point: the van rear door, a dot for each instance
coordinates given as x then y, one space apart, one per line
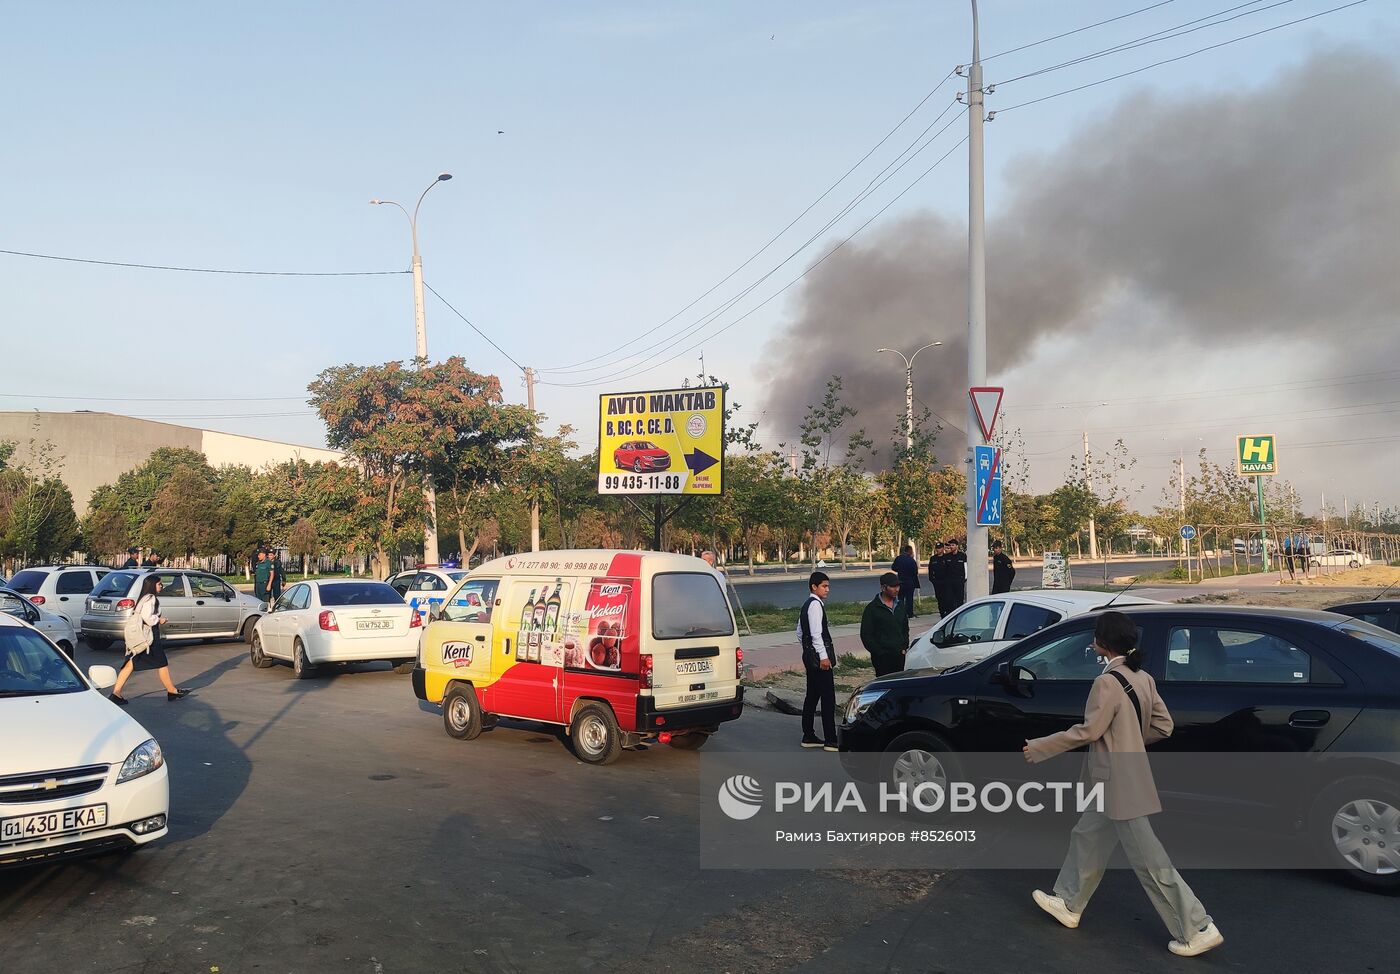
692 641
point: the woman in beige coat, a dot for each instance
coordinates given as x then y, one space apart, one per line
1123 715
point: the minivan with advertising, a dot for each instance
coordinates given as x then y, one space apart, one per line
617 647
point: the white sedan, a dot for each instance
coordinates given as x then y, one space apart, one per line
88 778
56 627
1339 558
987 625
337 621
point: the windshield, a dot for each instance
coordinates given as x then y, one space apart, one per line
689 604
31 667
28 581
1382 639
117 583
360 593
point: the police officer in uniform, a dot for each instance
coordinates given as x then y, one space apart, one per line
1002 569
957 575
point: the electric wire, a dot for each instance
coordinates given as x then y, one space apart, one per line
473 327
1077 30
199 270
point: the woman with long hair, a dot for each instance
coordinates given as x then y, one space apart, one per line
153 657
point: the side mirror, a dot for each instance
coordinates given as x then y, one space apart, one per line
102 677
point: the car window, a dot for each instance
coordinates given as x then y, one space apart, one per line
73 583
28 581
284 601
427 582
401 583
300 596
975 624
689 604
31 666
1385 641
472 602
1211 654
208 587
359 593
1026 619
1069 657
15 605
115 584
172 585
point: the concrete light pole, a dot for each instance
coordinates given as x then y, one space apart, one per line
909 389
977 585
430 535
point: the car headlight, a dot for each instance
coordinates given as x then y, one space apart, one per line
860 702
147 757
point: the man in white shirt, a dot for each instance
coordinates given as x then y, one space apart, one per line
818 656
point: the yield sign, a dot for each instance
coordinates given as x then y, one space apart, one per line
986 403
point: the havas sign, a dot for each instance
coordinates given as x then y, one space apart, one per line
1257 456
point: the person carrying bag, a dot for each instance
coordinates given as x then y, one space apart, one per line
143 643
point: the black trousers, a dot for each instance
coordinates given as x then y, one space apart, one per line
887 661
821 688
906 596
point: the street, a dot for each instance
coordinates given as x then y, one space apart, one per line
331 825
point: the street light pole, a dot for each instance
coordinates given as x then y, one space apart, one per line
976 311
420 354
909 390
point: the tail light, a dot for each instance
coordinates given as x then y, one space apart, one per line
739 663
646 667
126 604
37 599
328 622
415 620
664 737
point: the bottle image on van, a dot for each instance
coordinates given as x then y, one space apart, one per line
537 626
551 612
522 638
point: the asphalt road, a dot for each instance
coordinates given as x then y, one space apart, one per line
331 825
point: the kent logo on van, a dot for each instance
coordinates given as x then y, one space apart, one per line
619 647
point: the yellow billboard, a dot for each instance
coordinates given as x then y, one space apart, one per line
664 442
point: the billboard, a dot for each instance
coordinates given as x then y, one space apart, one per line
669 441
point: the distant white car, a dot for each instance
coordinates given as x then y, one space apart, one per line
426 588
88 778
337 621
987 625
59 630
1339 558
62 589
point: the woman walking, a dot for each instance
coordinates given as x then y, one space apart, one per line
1123 715
151 656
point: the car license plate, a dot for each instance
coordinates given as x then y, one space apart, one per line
696 666
695 697
102 606
375 624
52 823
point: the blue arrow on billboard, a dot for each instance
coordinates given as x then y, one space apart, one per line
699 461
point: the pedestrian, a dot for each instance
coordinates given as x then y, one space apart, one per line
262 576
1302 552
908 571
153 560
1124 714
818 654
131 561
708 557
884 628
144 649
1288 555
938 575
274 578
957 575
1002 569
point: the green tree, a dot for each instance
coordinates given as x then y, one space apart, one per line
182 516
135 491
105 531
42 523
304 542
829 451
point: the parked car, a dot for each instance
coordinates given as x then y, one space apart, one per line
989 624
424 589
61 589
337 621
641 455
1339 558
196 605
1378 612
89 778
1236 679
56 627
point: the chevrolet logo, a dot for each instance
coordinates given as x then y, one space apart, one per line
50 784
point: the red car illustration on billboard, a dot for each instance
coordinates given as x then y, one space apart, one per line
641 455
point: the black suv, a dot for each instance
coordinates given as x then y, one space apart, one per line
1236 679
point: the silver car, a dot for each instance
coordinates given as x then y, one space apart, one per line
196 605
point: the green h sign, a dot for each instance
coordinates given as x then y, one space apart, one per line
1256 455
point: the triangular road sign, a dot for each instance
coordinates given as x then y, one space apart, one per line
986 403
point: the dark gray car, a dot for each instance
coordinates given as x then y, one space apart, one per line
196 605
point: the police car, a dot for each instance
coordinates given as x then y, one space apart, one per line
426 587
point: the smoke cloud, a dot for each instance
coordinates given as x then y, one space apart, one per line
1206 220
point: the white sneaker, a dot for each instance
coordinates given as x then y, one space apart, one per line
1200 942
1055 906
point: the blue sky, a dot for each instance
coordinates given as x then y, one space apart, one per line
645 150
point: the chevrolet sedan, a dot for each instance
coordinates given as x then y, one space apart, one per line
337 621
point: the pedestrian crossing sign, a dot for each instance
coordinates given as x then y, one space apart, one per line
1257 455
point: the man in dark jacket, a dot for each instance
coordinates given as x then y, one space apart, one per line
938 575
274 578
908 571
884 628
1002 569
131 561
957 575
818 657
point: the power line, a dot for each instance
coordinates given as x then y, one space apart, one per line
1077 30
200 270
474 328
1180 57
21 395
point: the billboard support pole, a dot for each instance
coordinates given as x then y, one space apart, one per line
1263 530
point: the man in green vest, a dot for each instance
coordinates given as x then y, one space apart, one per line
262 575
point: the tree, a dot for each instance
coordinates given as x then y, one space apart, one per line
303 542
135 491
42 524
105 532
820 436
181 518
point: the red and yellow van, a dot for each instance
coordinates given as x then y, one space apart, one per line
619 647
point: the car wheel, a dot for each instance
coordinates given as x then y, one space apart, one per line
1356 824
97 644
693 741
636 466
1354 563
301 666
919 758
461 712
595 735
247 634
255 653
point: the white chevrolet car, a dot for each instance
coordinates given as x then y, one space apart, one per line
59 630
78 775
337 621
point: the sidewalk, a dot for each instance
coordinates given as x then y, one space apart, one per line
774 652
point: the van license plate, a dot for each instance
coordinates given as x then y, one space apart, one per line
696 666
52 823
375 624
696 697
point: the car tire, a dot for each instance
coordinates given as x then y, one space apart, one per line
1354 563
403 665
247 633
98 644
919 757
692 741
461 712
1355 825
301 665
595 735
255 653
636 466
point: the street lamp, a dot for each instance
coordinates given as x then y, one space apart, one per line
1089 476
430 538
908 390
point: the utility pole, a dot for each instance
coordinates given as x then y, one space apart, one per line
1089 485
1181 499
534 503
976 312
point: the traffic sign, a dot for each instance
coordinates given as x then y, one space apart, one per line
986 403
669 441
1188 532
987 459
1257 456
